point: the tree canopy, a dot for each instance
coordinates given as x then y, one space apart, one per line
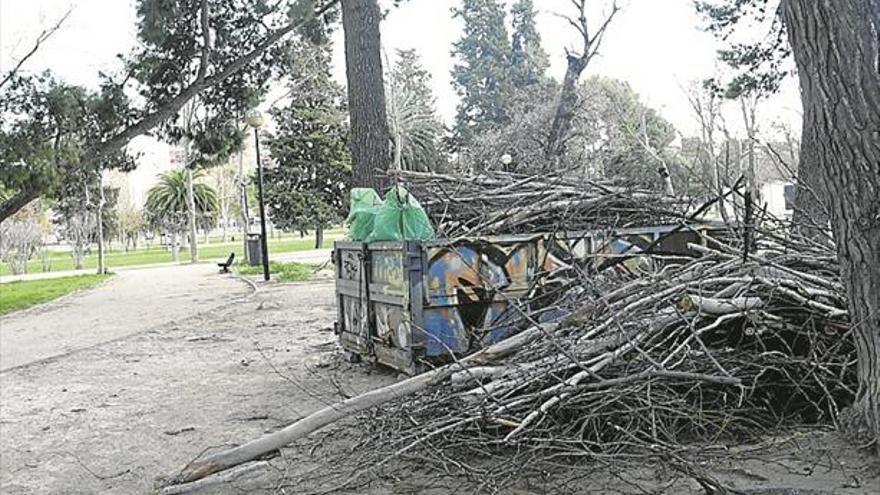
307 189
223 51
528 60
481 75
166 205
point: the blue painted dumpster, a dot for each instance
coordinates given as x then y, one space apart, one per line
406 304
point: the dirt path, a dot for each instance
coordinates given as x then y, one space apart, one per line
112 417
131 302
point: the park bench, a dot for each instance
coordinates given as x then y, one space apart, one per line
224 267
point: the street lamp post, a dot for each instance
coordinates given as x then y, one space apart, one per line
255 120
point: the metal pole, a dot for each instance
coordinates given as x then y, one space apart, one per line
264 243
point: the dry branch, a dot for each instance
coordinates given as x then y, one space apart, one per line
226 459
506 203
713 350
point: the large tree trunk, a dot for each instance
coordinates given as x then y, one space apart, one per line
837 49
370 140
810 216
568 101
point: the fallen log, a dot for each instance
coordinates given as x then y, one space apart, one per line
221 461
226 477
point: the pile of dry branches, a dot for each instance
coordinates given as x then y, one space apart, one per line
504 203
717 350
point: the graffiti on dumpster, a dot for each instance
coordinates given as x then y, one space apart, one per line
433 299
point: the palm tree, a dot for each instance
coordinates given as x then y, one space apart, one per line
167 206
414 130
412 121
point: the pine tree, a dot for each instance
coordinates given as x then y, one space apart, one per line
308 187
482 75
528 59
416 129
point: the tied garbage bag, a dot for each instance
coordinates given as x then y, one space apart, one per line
401 218
365 204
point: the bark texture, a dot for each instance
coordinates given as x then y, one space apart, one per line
568 102
836 45
370 140
810 215
17 202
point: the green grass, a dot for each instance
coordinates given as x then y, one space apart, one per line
19 295
282 272
60 261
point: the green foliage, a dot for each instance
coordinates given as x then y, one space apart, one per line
144 256
760 65
308 187
15 296
43 136
173 53
413 121
166 206
282 272
110 213
528 59
46 128
481 75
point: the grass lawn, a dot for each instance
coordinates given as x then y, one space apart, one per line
282 272
156 254
24 294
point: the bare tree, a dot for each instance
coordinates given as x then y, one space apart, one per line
78 229
224 179
707 108
19 238
577 62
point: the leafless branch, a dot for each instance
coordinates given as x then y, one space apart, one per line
41 38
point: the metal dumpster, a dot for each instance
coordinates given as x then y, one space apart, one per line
404 304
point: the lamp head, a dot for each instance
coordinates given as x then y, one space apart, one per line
254 119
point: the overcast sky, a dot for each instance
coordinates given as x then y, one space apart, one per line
655 45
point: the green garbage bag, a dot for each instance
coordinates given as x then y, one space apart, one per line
401 218
365 204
